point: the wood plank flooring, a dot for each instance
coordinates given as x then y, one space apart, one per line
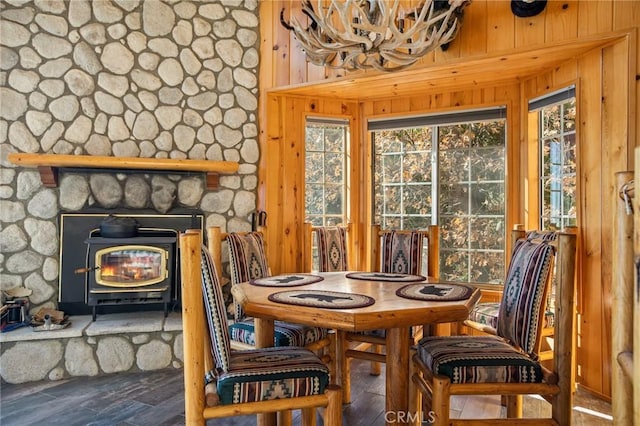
156 398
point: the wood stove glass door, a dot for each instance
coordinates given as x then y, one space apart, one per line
131 266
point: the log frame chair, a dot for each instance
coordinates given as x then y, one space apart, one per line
203 402
369 346
484 316
322 346
555 385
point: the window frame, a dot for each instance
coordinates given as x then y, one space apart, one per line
536 108
338 122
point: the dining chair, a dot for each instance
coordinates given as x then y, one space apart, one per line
396 252
330 243
247 261
220 382
506 363
484 316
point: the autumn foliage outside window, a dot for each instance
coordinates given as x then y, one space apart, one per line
452 175
558 165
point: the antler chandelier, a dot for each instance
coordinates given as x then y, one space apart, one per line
378 34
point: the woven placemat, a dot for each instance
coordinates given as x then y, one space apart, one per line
385 276
322 299
287 280
435 292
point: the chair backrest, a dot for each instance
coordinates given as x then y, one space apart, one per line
247 260
551 293
331 245
524 296
215 312
401 251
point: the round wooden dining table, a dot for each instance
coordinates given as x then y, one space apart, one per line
389 311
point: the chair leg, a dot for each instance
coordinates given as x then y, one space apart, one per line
375 366
514 406
333 413
285 418
440 403
414 395
309 416
343 366
331 350
458 328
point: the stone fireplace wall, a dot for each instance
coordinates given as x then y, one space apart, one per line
134 78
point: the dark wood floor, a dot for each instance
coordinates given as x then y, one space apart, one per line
156 398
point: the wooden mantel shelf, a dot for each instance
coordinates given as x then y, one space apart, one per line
48 165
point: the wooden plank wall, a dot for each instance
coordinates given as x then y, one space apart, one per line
282 174
608 92
604 147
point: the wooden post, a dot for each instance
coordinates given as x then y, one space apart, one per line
565 336
307 242
264 339
440 403
622 308
343 366
333 413
517 233
193 327
433 271
374 260
433 256
397 369
414 395
214 244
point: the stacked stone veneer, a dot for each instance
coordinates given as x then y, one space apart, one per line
122 78
112 344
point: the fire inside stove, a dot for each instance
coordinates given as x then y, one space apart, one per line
131 266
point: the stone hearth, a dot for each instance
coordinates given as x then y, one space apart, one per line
112 344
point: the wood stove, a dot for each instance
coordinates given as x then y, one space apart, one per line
129 273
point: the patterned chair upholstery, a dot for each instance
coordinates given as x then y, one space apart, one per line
332 248
240 382
247 261
484 316
486 313
492 363
401 252
481 360
286 333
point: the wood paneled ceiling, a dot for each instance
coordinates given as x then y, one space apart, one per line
462 75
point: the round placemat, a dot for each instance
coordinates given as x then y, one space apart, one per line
435 292
385 276
322 299
287 280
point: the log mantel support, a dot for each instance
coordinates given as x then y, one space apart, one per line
49 165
